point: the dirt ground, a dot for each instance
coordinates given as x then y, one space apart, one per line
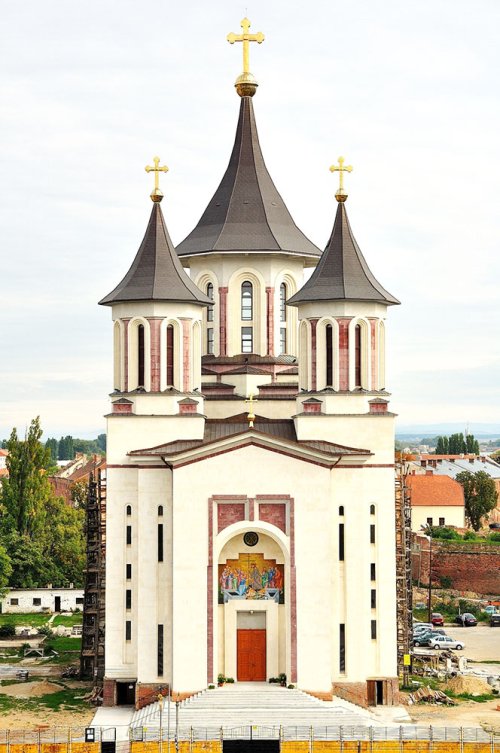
43 718
466 714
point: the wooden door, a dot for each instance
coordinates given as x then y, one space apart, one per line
251 646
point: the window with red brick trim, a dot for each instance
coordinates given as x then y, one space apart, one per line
170 355
140 355
329 352
357 356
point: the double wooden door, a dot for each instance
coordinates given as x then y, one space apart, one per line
251 647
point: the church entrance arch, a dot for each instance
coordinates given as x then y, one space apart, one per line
252 618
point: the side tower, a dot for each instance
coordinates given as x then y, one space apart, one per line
157 315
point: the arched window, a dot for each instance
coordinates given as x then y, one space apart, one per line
140 355
329 354
210 309
372 509
283 297
129 510
341 510
160 510
247 301
357 356
170 355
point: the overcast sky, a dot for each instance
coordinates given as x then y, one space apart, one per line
90 91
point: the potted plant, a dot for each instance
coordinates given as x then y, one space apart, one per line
220 679
282 679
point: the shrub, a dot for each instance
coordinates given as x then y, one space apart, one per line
469 535
442 532
494 536
446 581
8 630
45 630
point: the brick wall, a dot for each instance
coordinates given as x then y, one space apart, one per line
467 566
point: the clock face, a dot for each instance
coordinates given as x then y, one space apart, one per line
251 538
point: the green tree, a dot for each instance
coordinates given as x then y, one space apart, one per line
101 441
480 496
5 570
27 487
53 445
66 448
472 444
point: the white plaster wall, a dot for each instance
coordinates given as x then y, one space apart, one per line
454 515
47 596
126 433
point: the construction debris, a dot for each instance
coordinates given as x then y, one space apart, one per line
428 695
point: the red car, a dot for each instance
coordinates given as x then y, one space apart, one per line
437 619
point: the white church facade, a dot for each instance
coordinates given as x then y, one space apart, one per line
250 464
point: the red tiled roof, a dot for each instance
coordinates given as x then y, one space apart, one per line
435 491
4 453
4 472
427 456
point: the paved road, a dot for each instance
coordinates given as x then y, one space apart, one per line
482 643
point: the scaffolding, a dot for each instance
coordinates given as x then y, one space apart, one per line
92 653
404 601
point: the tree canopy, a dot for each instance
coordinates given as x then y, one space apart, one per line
480 496
457 444
41 538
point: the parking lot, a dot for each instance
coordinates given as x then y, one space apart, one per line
482 643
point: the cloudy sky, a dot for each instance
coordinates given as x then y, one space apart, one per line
91 91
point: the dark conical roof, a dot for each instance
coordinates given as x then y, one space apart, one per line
246 213
156 273
342 273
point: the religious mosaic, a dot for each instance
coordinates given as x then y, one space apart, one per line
251 577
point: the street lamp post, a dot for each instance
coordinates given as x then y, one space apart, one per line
428 536
169 698
177 724
160 706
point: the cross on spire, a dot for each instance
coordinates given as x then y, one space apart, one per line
341 194
156 194
246 83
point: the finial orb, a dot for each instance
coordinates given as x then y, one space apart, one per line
246 85
341 196
156 195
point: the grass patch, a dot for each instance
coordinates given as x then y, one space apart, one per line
469 697
65 699
68 620
35 620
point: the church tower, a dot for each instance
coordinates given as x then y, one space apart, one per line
250 483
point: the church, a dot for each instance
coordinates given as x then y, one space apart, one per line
250 516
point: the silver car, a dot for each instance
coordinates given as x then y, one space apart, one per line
444 642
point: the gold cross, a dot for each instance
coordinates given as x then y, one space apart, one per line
246 38
156 194
251 415
341 194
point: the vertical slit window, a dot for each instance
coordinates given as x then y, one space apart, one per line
210 309
170 355
372 534
128 630
341 510
246 302
357 356
341 542
129 510
342 648
283 297
282 340
329 352
373 598
128 537
140 355
373 571
160 542
374 629
246 339
128 599
210 340
128 572
160 510
160 651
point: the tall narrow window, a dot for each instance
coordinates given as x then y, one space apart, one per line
283 297
282 340
160 651
160 542
210 309
247 301
128 599
129 510
128 571
372 534
140 355
373 598
170 355
357 356
129 535
373 571
342 648
341 542
374 629
160 510
210 340
329 350
372 509
128 630
246 340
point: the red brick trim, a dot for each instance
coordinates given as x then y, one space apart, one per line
314 358
210 594
270 321
222 321
293 595
186 361
137 465
251 509
373 344
343 353
154 328
256 443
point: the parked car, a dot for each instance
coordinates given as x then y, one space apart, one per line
495 620
419 626
494 526
444 642
490 609
466 619
425 639
437 618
